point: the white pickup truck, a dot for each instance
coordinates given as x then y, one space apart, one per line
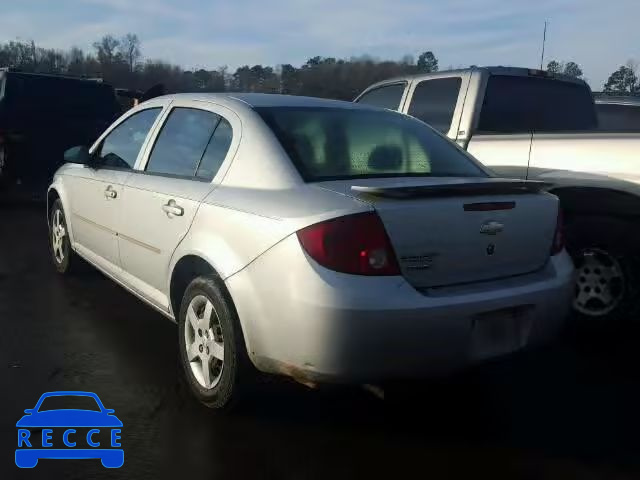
528 124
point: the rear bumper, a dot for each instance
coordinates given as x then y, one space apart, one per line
305 321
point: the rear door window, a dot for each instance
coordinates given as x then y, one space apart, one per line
434 102
520 104
388 96
182 142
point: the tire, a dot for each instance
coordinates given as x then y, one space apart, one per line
63 257
605 253
199 344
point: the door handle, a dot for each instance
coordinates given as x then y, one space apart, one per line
110 192
172 209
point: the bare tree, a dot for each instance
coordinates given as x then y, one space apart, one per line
129 48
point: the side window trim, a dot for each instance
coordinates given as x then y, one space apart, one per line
151 145
143 161
170 175
145 151
208 106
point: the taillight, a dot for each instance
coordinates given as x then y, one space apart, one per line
356 244
558 236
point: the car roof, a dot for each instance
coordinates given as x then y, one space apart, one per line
492 70
258 100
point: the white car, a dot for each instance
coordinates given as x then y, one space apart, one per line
323 240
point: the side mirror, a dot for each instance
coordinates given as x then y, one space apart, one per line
79 154
109 411
29 411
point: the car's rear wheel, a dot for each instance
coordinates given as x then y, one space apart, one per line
605 254
62 255
212 351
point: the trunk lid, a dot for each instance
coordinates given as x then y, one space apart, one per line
448 231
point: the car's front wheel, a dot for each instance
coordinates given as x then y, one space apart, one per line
212 351
62 254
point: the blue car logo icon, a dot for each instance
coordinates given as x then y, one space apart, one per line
85 433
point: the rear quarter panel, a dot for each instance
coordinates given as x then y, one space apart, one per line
233 226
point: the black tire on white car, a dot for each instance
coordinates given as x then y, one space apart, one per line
211 345
606 256
64 258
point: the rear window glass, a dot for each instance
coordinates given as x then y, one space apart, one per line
514 104
618 118
56 95
340 143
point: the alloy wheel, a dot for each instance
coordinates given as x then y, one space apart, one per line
204 342
58 234
600 282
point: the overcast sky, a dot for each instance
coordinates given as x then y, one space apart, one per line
599 35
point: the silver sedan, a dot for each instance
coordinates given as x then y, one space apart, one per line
323 240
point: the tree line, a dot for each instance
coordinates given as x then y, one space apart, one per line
119 61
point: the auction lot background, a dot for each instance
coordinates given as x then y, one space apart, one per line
569 411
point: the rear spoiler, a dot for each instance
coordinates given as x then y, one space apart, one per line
499 186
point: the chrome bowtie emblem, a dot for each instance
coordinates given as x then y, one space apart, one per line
491 228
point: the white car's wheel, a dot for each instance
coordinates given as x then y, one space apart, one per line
62 255
212 351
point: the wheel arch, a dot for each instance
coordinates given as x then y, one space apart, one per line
187 268
52 196
184 271
55 192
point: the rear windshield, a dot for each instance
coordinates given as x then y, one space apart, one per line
51 95
618 117
515 104
340 143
